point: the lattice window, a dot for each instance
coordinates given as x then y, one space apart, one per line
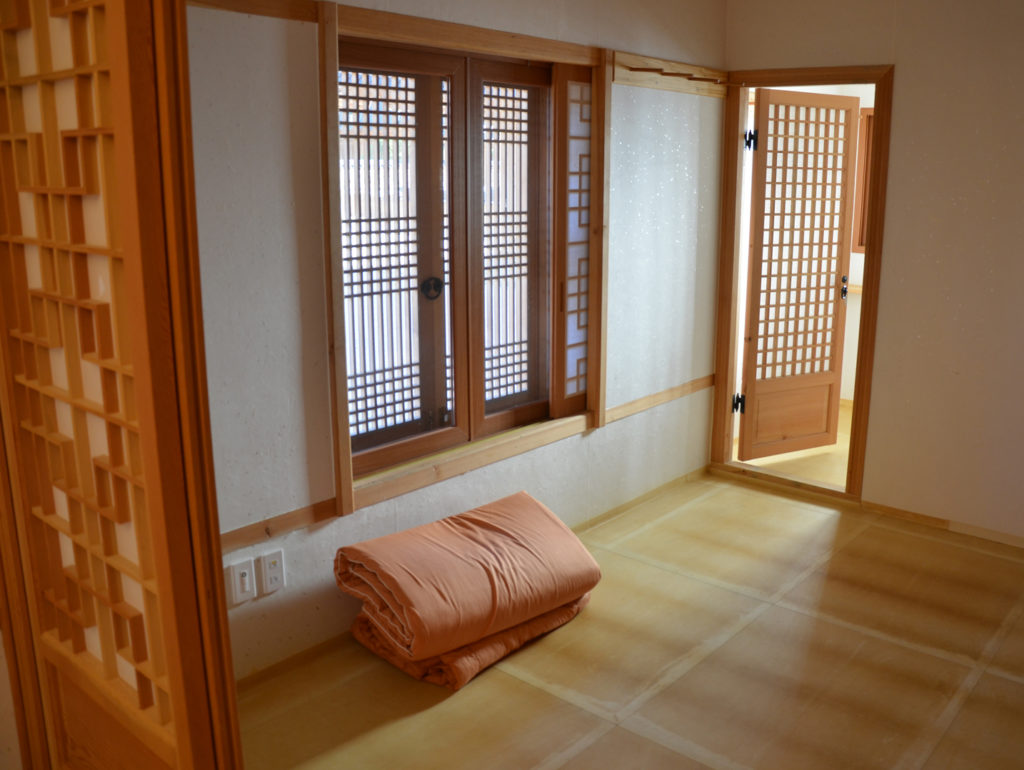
387 164
506 242
803 239
446 172
577 237
67 357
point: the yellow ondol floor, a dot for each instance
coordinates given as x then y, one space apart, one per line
733 628
824 465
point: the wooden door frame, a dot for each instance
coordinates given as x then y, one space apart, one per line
183 298
722 429
26 690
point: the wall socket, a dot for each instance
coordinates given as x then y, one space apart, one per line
271 570
241 580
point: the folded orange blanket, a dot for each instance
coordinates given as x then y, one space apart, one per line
453 596
453 669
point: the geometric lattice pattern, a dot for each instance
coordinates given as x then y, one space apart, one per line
506 243
65 353
380 248
577 238
803 239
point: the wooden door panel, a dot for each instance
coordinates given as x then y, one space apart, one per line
91 428
801 205
797 418
90 736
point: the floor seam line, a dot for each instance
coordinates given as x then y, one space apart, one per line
655 733
888 525
930 740
648 525
936 652
672 569
573 750
682 666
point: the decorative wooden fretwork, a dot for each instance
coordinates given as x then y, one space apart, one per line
577 285
66 358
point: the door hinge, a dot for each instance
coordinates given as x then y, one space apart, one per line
739 403
750 140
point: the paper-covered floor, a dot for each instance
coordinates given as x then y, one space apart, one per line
733 628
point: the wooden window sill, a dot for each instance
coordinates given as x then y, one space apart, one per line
408 477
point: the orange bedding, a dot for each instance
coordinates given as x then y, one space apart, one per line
445 600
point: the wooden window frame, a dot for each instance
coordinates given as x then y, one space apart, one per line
359 55
550 318
484 421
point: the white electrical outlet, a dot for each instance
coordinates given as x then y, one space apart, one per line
271 571
241 582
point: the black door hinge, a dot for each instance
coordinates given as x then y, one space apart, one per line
750 140
739 403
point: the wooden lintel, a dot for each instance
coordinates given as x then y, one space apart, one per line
650 72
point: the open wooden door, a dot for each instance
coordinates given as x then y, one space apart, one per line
117 565
799 260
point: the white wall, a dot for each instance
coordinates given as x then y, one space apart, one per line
946 418
257 162
264 317
663 240
578 478
690 31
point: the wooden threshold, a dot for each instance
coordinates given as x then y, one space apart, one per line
779 482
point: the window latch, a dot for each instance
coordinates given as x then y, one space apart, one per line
432 287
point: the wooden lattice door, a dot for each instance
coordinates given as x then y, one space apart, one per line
800 253
88 391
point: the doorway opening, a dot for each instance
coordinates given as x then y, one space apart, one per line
799 273
812 155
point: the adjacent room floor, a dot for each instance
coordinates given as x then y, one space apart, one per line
733 628
825 465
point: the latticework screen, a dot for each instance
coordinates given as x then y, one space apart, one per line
577 238
66 353
803 238
508 335
386 159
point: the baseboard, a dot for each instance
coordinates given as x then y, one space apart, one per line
276 669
